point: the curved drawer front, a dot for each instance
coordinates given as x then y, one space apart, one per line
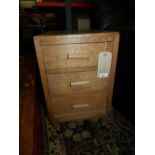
74 56
77 82
78 103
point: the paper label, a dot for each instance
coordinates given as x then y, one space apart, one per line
103 75
104 64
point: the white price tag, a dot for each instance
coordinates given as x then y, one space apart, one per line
103 75
104 64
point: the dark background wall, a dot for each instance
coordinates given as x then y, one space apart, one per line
117 15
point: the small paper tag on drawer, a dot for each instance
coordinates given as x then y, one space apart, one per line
104 64
103 75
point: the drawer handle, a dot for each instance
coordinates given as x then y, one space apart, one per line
80 106
78 83
70 56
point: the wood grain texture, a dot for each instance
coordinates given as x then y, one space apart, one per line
77 103
74 56
77 38
26 122
71 70
30 122
30 127
42 69
68 66
113 70
61 83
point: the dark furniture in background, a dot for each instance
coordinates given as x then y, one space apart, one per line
30 111
69 5
49 15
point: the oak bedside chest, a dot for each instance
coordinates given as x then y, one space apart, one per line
77 72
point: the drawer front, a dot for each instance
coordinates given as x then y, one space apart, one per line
82 115
77 82
72 55
78 103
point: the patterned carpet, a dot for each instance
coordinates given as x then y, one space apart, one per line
115 136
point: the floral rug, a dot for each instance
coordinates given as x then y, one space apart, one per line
114 136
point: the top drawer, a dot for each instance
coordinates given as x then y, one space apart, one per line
73 56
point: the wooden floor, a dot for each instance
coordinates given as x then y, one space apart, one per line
29 109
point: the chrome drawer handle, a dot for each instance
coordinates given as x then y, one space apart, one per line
80 106
71 56
78 83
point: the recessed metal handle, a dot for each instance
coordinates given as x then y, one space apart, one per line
78 83
75 106
73 56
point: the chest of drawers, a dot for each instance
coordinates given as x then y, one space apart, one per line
68 67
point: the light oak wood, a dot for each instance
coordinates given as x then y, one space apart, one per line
42 69
79 56
73 55
76 106
80 116
68 69
61 38
71 70
77 103
113 70
77 82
